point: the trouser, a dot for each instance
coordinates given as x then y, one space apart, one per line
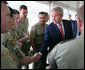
25 49
41 64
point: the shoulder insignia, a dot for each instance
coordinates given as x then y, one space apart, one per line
31 34
57 44
65 41
5 53
13 42
50 54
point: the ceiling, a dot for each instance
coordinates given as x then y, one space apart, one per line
73 5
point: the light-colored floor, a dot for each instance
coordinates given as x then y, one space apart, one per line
30 66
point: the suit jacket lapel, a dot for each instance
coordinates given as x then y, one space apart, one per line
67 29
57 31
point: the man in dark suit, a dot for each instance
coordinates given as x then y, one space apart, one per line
56 32
74 28
54 36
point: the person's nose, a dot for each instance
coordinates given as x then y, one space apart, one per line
10 20
25 14
53 18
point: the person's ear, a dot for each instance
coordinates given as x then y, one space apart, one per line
80 23
61 16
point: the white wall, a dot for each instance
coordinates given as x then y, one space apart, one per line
33 9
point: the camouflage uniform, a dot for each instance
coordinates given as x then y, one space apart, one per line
8 61
37 33
68 55
19 31
11 44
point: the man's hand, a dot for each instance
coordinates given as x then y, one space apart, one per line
37 56
24 38
27 60
20 44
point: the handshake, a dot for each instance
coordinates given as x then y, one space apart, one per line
27 59
37 56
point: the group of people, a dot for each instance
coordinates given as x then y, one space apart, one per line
58 39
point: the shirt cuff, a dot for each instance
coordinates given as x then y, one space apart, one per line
40 53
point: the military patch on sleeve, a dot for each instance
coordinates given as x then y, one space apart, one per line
13 42
31 34
5 54
50 54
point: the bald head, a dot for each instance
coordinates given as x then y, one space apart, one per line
80 19
80 13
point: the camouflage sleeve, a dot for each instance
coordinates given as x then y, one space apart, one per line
7 62
21 29
14 33
24 27
33 32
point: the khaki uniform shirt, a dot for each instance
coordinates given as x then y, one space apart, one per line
37 33
8 61
68 55
20 30
6 40
5 37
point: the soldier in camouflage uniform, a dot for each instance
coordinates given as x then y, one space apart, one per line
22 30
6 56
37 38
9 42
12 51
7 59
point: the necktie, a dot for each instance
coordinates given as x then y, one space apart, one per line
61 30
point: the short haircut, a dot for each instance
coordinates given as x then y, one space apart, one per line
46 14
69 14
11 11
23 7
59 9
4 2
16 11
80 13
